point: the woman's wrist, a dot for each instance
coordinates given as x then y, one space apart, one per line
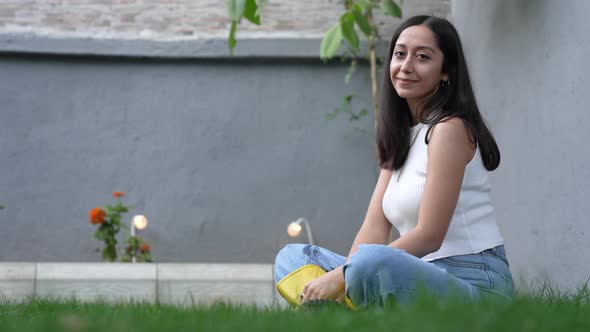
338 276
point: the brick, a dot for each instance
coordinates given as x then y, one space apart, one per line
173 18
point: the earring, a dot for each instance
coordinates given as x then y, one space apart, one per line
444 83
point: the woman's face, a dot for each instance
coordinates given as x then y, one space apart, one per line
416 65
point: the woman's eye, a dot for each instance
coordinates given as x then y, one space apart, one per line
398 54
423 57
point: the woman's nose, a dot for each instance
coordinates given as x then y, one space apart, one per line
407 65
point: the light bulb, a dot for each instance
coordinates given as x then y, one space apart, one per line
140 221
294 229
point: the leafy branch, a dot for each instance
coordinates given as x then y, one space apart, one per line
358 17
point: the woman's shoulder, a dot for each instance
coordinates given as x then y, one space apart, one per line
452 135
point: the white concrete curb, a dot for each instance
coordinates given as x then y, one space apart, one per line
167 283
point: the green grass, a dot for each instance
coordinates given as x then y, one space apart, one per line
548 310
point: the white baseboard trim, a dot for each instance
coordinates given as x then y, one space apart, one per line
166 283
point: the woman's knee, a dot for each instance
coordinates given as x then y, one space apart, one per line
369 264
288 251
288 259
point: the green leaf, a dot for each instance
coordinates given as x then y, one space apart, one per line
331 42
332 115
391 8
231 40
126 259
347 25
361 21
364 4
146 257
351 71
100 234
358 115
134 241
251 12
109 253
235 9
347 99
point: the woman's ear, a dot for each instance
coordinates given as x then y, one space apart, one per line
445 77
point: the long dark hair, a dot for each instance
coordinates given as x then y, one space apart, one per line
454 100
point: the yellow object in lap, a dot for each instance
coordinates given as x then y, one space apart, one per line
291 286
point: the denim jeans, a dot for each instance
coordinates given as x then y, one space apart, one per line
377 274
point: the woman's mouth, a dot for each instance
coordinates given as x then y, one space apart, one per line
405 80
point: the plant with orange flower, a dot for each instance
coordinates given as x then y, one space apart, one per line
138 248
109 221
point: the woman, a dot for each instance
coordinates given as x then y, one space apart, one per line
435 152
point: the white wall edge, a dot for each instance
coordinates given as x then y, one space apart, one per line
141 281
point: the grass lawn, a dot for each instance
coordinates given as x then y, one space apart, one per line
547 312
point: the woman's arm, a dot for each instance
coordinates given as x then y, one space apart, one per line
449 151
375 229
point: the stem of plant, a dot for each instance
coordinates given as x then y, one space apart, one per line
373 63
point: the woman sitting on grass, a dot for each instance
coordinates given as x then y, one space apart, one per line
435 152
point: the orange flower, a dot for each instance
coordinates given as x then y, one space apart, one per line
144 248
118 194
97 216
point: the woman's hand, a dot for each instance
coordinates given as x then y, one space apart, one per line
329 286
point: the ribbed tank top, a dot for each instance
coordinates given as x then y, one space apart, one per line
473 226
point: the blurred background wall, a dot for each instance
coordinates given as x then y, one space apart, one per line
222 152
219 152
528 61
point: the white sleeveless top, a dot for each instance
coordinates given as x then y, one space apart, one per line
473 226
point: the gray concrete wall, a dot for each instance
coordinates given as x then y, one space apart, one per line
528 60
140 96
219 155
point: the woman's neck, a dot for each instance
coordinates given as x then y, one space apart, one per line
413 106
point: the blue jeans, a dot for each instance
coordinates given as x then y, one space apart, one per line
377 274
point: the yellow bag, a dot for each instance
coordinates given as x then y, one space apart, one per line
291 286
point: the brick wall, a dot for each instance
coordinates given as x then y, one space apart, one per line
179 19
